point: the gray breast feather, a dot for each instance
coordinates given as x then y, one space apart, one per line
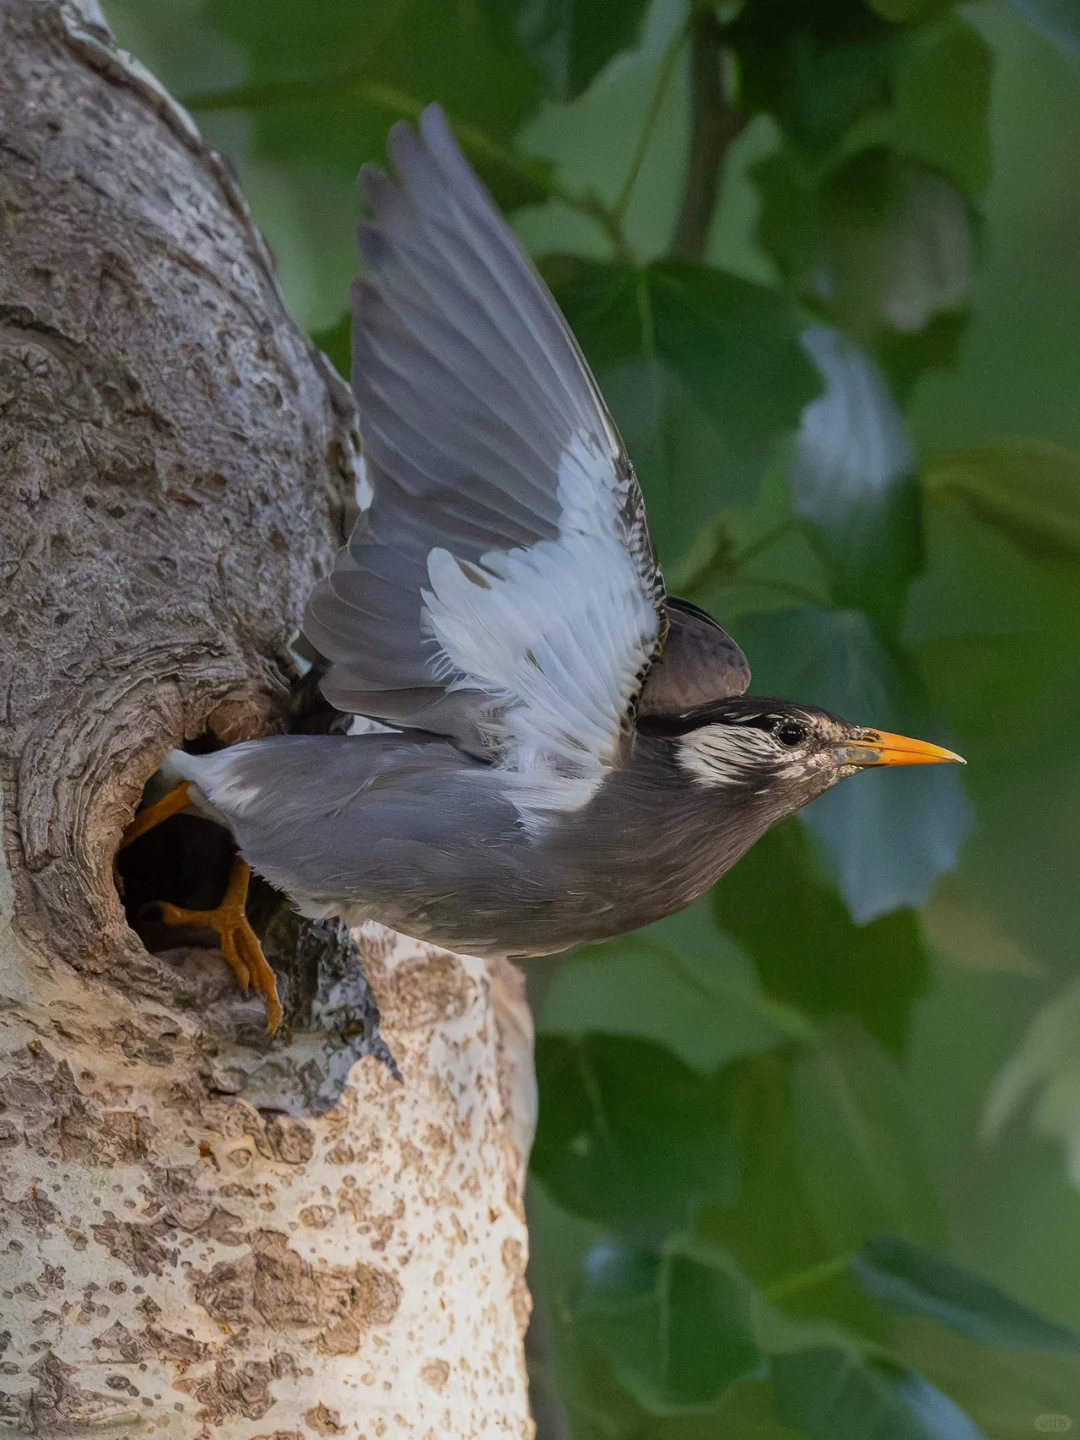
418 835
409 832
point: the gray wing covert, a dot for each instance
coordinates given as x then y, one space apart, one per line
699 662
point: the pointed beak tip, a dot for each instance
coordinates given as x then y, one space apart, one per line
880 747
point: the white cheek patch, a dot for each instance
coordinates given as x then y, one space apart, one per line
728 754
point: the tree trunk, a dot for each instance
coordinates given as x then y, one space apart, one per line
203 1233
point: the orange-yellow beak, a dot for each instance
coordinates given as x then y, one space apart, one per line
879 747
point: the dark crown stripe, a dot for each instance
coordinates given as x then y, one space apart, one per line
761 710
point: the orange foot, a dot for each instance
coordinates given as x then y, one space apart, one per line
151 815
239 943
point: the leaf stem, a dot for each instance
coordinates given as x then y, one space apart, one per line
403 106
724 567
785 1017
764 542
808 1279
591 205
663 80
782 587
714 124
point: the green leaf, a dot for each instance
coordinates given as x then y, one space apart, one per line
1043 1064
771 1229
1058 20
941 105
629 1134
663 981
732 343
878 236
860 1155
905 358
336 343
676 1330
907 1277
881 244
852 480
1029 489
743 1412
941 1417
816 65
905 11
703 371
830 1394
888 833
325 81
686 465
806 947
572 40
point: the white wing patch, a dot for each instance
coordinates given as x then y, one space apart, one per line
558 634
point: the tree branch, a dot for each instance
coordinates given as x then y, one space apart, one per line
714 124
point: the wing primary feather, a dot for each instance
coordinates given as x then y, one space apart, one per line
431 375
509 270
452 275
538 386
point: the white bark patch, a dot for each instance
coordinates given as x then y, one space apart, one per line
172 1257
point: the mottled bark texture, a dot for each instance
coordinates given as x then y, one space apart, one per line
203 1233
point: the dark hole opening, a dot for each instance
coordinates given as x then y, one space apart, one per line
185 860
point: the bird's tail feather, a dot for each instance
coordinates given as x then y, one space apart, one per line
202 772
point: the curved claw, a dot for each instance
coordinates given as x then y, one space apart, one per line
149 816
239 943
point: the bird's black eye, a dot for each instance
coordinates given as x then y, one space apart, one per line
791 733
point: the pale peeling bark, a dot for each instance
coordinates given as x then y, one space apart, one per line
192 1244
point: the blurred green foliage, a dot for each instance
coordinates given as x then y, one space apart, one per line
761 1207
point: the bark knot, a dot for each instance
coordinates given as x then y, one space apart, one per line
274 1286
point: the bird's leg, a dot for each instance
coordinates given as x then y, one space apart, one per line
239 943
171 804
151 815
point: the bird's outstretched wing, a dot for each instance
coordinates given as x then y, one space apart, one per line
502 587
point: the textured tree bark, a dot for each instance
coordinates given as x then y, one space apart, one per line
203 1233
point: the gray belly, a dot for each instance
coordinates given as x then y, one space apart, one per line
422 838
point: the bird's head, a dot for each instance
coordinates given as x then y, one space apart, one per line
785 754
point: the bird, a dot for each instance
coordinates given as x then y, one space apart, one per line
563 751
